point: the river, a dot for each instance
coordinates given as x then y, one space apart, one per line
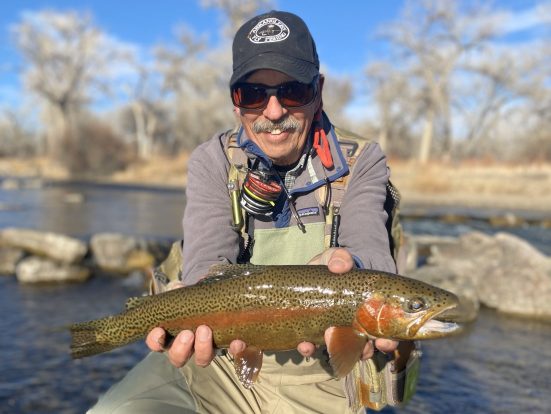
500 365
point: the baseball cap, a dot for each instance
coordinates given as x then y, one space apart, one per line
275 40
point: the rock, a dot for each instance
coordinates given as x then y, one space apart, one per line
16 183
521 283
419 248
74 198
9 257
139 259
119 253
55 246
10 184
452 218
508 273
506 220
39 270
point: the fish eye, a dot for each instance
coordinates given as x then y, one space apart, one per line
415 305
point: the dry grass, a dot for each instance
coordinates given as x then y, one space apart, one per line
475 184
162 171
32 167
159 171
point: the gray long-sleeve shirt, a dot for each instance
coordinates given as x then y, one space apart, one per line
209 237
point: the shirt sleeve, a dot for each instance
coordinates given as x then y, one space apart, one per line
209 237
363 217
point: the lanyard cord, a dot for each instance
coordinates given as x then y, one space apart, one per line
291 201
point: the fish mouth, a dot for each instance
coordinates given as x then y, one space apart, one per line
444 323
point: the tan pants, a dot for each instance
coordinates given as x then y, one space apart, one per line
152 386
288 384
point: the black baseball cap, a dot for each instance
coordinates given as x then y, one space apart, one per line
275 40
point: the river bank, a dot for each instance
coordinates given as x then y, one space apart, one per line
467 184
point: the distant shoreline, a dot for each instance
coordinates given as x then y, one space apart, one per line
496 188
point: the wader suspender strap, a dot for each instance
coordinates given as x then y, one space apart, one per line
351 146
241 220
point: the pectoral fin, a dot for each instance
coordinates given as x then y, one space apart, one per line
345 347
247 365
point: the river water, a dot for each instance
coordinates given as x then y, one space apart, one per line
500 365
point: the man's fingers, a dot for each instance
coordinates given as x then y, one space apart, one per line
386 345
236 347
306 349
204 349
181 349
340 261
156 339
383 345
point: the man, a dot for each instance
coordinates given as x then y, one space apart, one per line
289 150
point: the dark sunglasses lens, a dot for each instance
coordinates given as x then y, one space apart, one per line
294 94
249 96
290 94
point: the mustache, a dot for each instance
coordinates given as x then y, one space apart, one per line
290 123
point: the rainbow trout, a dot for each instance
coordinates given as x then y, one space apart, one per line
276 307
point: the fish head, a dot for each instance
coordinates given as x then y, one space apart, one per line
401 308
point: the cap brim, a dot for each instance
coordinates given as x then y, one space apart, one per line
299 70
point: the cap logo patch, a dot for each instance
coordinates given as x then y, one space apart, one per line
269 30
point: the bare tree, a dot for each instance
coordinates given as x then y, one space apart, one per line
15 138
196 77
392 96
338 92
431 38
237 12
145 108
66 60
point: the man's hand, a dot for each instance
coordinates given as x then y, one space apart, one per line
186 344
339 260
180 350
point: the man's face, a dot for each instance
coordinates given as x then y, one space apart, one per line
280 132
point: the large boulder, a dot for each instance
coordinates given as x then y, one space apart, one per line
117 253
40 270
507 273
419 248
55 246
9 257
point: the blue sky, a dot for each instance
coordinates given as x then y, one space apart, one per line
340 32
344 30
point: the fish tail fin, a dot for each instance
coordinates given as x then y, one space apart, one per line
88 338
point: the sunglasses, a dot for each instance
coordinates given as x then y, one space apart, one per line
292 94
